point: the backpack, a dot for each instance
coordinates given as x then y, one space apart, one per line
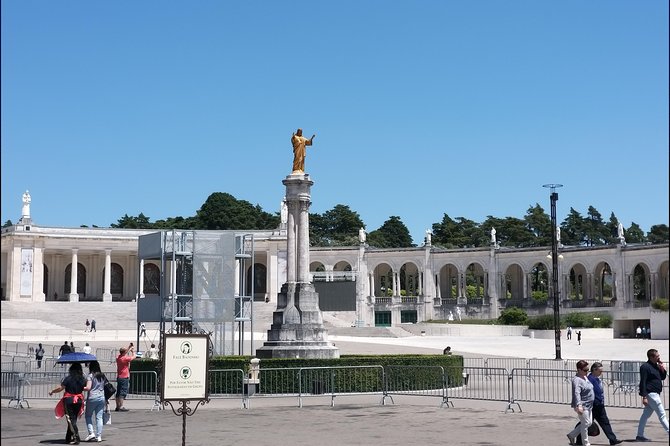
39 353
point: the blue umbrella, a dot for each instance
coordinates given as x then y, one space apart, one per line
68 358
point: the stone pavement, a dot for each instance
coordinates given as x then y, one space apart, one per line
354 420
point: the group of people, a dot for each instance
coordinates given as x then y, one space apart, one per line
73 403
568 335
642 332
90 325
588 399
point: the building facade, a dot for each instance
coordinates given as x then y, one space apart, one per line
391 286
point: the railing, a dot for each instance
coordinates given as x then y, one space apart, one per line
508 380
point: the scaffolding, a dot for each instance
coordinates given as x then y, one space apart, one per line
207 285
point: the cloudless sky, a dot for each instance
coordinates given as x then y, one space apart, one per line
420 108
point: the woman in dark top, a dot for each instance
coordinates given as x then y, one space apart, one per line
72 403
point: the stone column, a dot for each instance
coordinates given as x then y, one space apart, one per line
74 296
141 281
303 240
107 293
291 237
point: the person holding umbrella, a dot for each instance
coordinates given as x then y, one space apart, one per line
71 405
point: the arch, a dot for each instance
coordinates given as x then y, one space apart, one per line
81 279
383 280
576 282
342 266
640 282
448 281
317 267
603 282
409 279
513 282
474 281
152 279
539 282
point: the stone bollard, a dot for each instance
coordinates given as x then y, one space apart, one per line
252 383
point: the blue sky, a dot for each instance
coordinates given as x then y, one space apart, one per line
420 108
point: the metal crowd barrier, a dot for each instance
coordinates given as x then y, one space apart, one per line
20 383
230 383
340 381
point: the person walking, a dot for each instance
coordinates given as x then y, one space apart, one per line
71 405
599 412
143 330
582 403
39 354
126 355
95 401
88 326
569 333
93 325
652 375
579 337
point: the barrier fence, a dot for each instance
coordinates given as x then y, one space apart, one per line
520 384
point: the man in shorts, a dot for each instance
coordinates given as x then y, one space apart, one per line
126 355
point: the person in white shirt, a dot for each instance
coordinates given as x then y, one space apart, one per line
86 349
153 352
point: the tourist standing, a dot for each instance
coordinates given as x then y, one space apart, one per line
582 403
126 355
87 349
569 333
39 354
153 352
579 337
93 325
652 375
88 325
72 404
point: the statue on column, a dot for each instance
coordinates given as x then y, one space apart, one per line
25 210
361 236
620 235
558 236
429 237
493 236
299 150
283 212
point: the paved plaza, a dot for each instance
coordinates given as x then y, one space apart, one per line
359 420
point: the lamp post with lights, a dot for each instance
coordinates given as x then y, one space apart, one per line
554 268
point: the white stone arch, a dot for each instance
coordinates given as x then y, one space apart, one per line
409 279
475 281
540 281
513 286
383 277
576 281
641 282
342 265
603 281
447 280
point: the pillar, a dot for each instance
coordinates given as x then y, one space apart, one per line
107 293
74 296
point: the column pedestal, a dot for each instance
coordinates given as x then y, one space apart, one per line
297 329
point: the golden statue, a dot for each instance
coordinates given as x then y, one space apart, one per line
299 151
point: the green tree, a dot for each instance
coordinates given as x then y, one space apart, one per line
392 234
128 222
222 211
634 234
594 228
658 234
447 233
539 224
572 229
7 224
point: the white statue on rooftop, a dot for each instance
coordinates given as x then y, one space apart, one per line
362 236
25 210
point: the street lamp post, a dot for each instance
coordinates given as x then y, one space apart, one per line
554 268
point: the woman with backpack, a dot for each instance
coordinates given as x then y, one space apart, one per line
95 402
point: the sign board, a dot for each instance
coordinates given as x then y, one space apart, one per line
185 367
